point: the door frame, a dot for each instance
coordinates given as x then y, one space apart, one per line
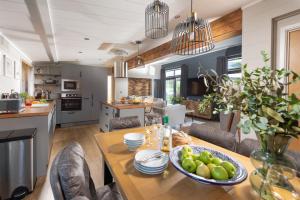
274 38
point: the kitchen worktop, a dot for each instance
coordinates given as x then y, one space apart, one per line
30 112
120 106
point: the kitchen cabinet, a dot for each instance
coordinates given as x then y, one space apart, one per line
111 110
93 89
70 71
71 117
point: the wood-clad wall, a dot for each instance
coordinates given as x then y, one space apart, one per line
139 86
223 28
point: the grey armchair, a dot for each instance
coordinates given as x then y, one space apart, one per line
70 178
124 122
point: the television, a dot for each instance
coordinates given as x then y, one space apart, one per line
197 87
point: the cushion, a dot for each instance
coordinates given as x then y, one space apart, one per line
124 122
213 135
247 146
74 173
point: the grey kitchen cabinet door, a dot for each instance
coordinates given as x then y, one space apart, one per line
69 71
94 90
71 116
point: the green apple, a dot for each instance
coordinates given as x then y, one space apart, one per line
203 170
189 165
196 157
229 167
216 161
185 154
187 149
198 162
206 157
210 166
219 173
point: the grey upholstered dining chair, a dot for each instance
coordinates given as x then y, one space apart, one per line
124 122
70 178
224 136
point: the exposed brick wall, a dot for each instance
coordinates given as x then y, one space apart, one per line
139 86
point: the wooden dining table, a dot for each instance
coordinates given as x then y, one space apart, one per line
172 184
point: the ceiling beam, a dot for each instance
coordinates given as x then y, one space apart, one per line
38 25
223 28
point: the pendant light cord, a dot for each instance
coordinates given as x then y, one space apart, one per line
191 6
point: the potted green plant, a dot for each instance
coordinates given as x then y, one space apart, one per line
266 108
177 100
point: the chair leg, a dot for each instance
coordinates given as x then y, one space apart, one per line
108 179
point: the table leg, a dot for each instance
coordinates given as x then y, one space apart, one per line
107 175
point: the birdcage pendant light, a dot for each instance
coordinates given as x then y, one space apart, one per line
156 20
193 36
139 61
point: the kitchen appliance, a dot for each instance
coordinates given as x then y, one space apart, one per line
68 85
120 69
11 106
18 163
71 102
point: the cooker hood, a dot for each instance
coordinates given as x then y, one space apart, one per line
120 69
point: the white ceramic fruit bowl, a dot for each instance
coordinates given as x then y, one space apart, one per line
134 140
241 172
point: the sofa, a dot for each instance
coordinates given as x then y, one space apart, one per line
193 105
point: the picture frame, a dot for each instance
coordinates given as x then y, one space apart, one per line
17 70
8 67
1 64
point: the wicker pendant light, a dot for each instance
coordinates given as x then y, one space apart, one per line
139 61
193 36
156 20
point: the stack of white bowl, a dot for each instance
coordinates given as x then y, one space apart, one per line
134 140
157 163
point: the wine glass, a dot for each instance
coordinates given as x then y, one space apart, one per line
280 184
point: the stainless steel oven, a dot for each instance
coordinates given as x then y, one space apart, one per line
68 85
71 102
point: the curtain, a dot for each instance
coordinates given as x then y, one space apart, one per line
157 88
163 83
184 80
222 65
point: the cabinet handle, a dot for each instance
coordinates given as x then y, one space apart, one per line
80 74
106 114
71 113
92 100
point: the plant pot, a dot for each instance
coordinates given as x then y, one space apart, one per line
271 152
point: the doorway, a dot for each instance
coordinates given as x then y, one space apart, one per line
293 58
285 51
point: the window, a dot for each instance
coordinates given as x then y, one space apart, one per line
173 80
234 66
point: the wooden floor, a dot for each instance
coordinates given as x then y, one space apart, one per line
64 136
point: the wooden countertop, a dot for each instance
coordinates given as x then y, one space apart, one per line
120 106
30 112
171 185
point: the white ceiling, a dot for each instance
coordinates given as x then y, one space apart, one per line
54 30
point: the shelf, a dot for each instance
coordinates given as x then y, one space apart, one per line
57 75
45 84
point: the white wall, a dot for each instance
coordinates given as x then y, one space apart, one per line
257 27
121 88
257 30
8 49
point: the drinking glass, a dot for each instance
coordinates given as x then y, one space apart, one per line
148 134
280 184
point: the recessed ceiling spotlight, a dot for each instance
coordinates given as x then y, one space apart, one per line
86 38
80 52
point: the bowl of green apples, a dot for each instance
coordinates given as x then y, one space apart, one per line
207 165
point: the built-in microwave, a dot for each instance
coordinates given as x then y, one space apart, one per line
68 85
